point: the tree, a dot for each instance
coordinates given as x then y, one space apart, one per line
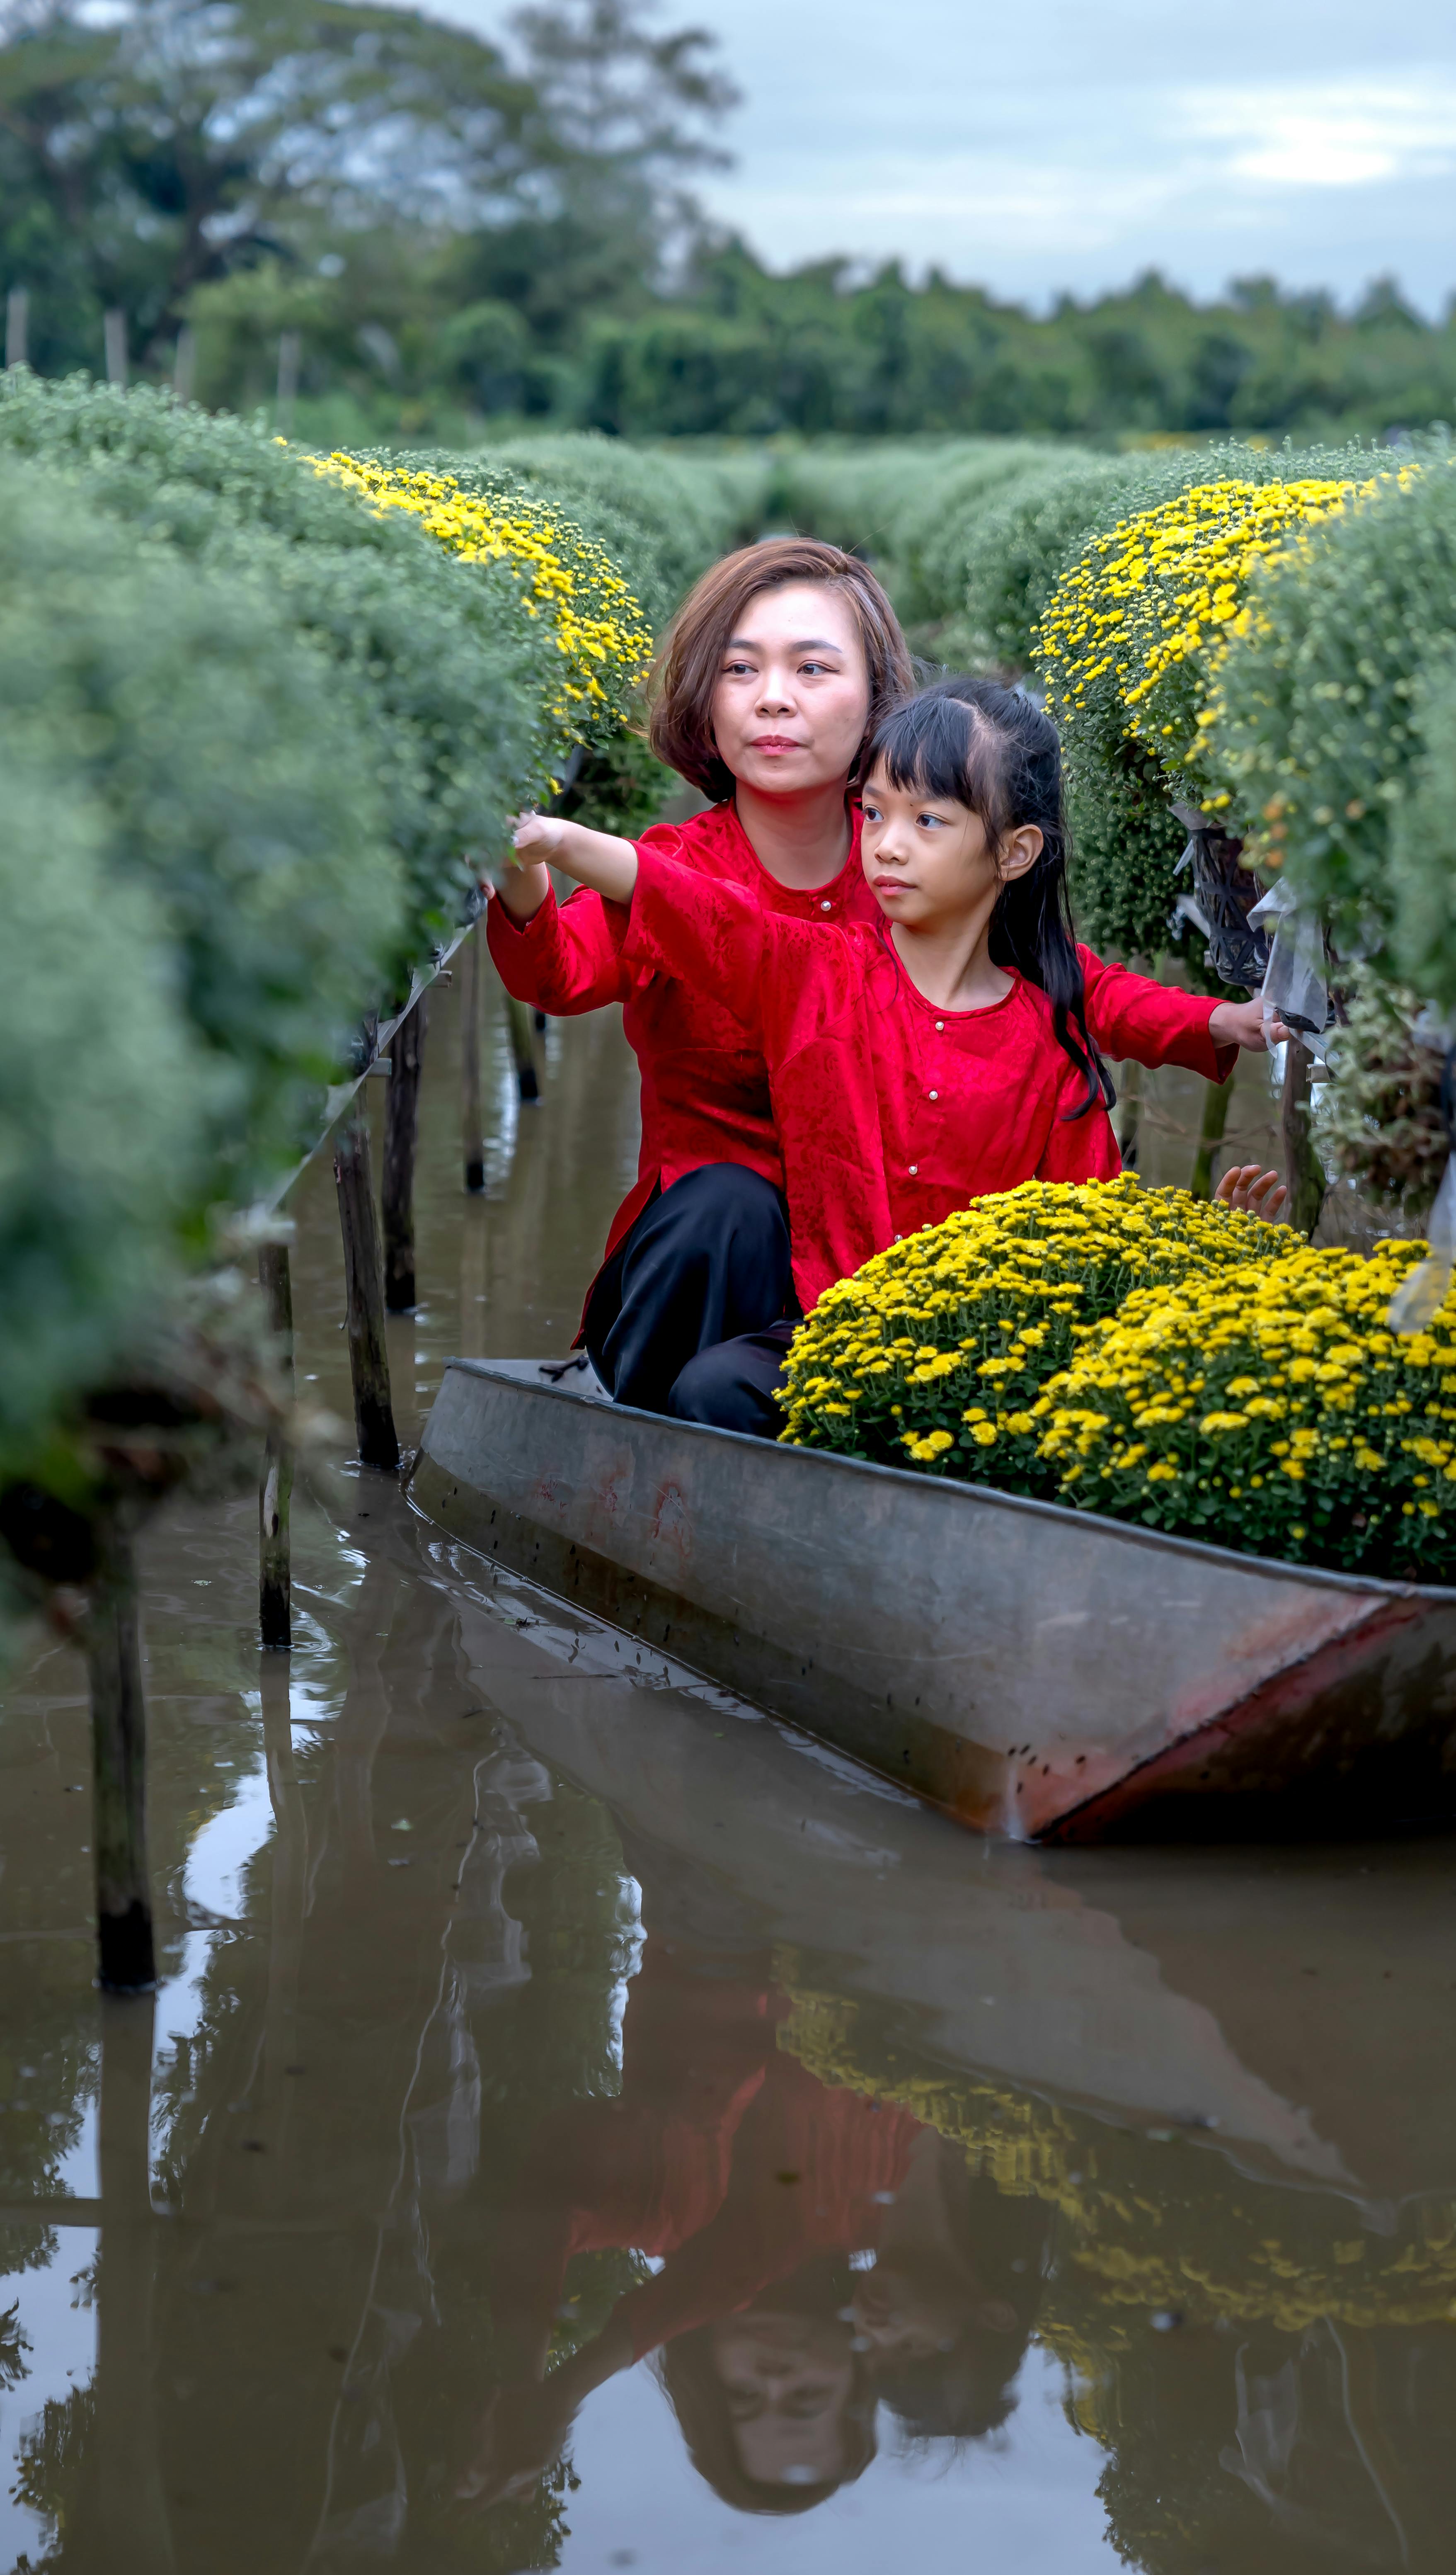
150 155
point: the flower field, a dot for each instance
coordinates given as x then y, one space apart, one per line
407 646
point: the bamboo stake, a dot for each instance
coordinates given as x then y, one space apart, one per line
401 1136
290 346
518 1021
472 1121
113 327
17 326
1216 1099
1302 1170
369 1358
275 1577
1128 1107
127 1958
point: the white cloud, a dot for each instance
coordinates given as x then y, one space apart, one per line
1331 134
1076 144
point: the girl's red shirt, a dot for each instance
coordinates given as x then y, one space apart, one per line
890 1112
704 1082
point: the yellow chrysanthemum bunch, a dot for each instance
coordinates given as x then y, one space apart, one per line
1270 1409
943 1343
561 577
1145 1354
1131 622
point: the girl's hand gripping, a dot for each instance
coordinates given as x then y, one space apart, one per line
594 858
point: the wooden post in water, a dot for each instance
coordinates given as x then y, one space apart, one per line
127 1959
472 1121
518 1020
1216 1097
1302 1170
369 1358
400 1135
275 1577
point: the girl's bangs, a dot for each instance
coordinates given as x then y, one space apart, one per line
933 745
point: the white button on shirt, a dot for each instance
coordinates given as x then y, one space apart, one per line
939 1024
914 1167
932 1095
826 906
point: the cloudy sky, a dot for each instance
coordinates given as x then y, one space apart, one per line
1072 143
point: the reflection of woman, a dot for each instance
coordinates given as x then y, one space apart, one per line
750 2184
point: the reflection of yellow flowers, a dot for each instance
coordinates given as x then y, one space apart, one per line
1144 2224
1147 1355
561 577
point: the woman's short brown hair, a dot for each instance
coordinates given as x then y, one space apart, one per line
687 668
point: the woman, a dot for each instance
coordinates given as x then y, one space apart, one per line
770 678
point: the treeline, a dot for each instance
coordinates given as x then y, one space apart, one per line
388 228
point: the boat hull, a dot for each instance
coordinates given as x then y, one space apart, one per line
1038 1672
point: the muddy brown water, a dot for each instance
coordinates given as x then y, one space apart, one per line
581 2124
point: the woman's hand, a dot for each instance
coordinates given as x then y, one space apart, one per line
1256 1193
1243 1023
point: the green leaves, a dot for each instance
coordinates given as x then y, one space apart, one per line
1327 719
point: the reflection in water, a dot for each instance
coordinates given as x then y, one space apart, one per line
583 2127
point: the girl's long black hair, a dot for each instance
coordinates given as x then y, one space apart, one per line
973 743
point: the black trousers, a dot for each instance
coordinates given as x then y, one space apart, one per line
706 1263
731 1385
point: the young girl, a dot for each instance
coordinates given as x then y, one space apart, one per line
938 1055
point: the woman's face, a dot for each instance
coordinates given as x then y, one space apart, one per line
789 2380
792 698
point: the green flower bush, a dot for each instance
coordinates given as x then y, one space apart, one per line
1317 716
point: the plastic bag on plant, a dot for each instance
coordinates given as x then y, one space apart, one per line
1295 987
1420 1299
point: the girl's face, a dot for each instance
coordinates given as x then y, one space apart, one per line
905 2312
787 2380
927 858
792 698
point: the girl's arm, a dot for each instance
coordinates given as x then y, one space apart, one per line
710 935
1134 1020
564 958
596 859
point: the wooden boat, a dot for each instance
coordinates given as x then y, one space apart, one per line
1038 1672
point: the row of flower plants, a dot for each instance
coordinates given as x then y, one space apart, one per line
1149 1355
259 714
